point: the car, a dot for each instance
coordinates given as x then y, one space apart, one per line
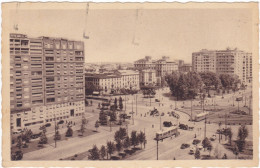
162 114
196 141
156 100
191 152
61 122
213 138
167 123
200 147
131 112
48 125
184 146
183 126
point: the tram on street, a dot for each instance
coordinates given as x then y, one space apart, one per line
167 132
201 116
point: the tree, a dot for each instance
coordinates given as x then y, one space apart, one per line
94 153
121 103
27 135
127 142
134 139
242 135
103 118
103 152
84 122
90 88
115 103
43 138
110 148
120 134
228 81
206 143
57 135
142 138
113 116
183 84
69 132
19 142
229 133
210 79
197 154
119 145
96 125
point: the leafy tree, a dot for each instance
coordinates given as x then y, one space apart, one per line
57 135
96 125
94 153
69 132
113 116
18 155
228 81
103 152
103 118
84 122
127 142
115 103
242 135
19 142
184 85
90 88
236 150
229 133
210 79
119 145
43 138
206 143
197 154
110 148
120 134
27 135
142 138
134 139
121 103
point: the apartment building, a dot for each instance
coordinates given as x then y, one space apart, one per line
114 81
145 63
148 77
229 61
46 79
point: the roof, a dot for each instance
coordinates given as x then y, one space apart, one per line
167 129
202 114
128 72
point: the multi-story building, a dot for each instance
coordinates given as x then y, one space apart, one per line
204 60
185 68
164 66
148 77
224 62
145 63
114 81
46 79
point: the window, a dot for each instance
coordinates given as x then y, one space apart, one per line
50 100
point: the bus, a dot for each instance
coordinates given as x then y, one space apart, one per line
201 116
167 132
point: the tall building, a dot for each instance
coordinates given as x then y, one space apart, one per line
148 77
224 62
145 63
46 79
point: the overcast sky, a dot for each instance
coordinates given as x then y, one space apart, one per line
117 35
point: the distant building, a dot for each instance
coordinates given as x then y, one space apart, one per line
224 62
46 79
148 77
145 63
185 68
164 66
114 81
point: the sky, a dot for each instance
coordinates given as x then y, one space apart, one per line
118 35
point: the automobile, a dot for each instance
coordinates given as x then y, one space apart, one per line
131 112
48 125
128 117
183 126
191 152
162 114
35 136
156 100
61 122
167 123
200 147
213 138
156 114
18 131
184 146
196 141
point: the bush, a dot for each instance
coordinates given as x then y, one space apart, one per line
69 132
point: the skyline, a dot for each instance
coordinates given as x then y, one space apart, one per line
117 34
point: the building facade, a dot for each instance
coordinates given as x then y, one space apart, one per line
46 79
113 81
148 77
227 61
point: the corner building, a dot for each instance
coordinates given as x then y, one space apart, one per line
46 80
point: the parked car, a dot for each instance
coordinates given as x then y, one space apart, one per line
167 123
162 114
131 112
48 125
191 152
156 100
196 141
183 126
213 138
35 136
61 122
184 146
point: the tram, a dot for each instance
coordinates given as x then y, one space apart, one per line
201 116
167 132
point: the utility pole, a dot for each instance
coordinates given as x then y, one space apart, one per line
136 104
191 110
55 138
157 148
160 122
133 110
